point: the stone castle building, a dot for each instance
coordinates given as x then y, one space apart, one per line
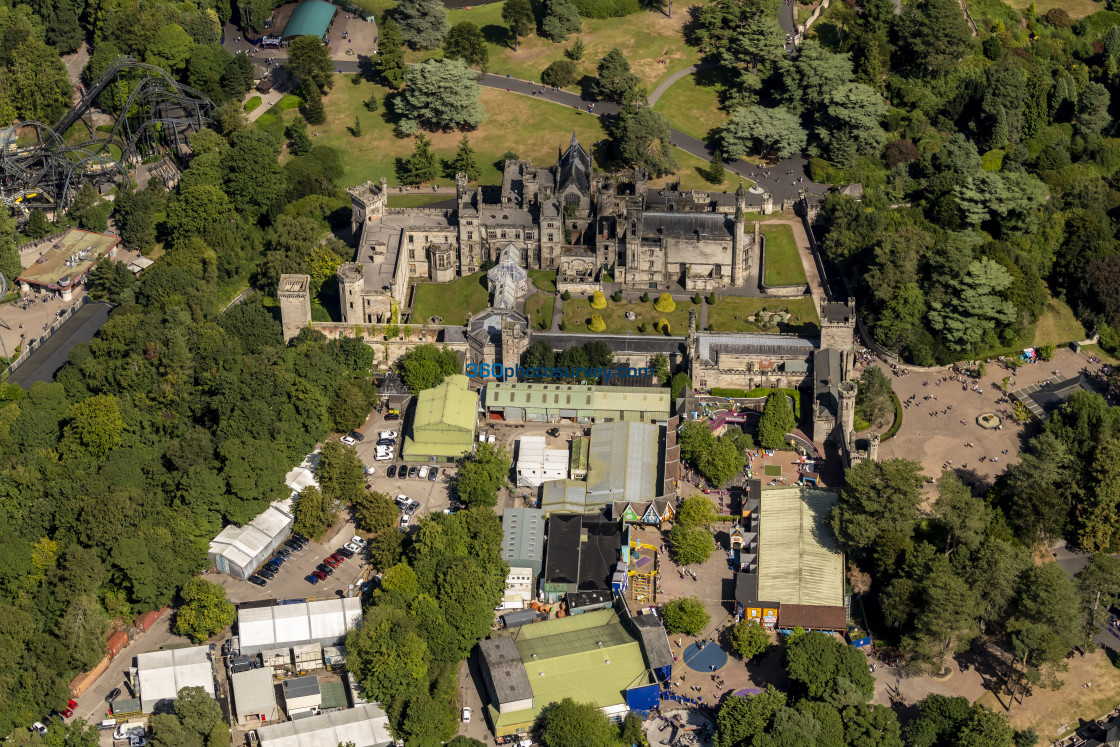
563 218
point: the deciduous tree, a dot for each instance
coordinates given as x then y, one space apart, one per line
685 615
518 16
762 131
205 611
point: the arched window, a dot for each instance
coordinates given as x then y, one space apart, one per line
571 202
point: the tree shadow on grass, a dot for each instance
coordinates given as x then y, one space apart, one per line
495 34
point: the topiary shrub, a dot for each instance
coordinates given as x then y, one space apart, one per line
560 74
665 303
598 301
616 296
566 296
597 324
662 325
712 299
697 299
644 298
642 328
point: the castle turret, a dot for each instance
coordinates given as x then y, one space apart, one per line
367 203
739 251
847 391
838 325
350 286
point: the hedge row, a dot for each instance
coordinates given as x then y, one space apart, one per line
897 418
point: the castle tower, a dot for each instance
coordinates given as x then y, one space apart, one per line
514 343
838 325
294 293
462 191
767 203
847 406
351 283
367 203
873 448
739 240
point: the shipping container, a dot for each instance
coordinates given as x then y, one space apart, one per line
117 641
79 684
148 619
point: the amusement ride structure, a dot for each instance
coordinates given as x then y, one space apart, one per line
41 166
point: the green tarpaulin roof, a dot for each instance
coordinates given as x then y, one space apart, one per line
310 18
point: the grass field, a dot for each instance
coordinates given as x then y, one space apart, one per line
578 311
541 129
453 301
544 280
1057 325
405 201
692 103
538 307
783 259
644 38
730 314
772 470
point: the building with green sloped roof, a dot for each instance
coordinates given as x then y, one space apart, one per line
443 422
310 18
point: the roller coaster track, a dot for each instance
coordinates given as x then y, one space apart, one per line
152 110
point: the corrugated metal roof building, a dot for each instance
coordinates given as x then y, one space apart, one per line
325 622
623 463
254 696
564 496
799 559
239 551
364 726
162 674
523 531
536 402
310 18
301 695
443 422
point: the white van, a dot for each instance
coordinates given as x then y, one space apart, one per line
110 723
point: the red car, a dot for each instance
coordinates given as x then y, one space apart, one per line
319 575
72 703
68 713
331 562
338 557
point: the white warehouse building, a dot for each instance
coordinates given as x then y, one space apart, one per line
162 674
239 551
287 625
536 464
363 726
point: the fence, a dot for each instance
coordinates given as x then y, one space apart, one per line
38 342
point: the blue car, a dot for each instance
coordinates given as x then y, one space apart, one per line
311 579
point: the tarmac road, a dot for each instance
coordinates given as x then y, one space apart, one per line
45 362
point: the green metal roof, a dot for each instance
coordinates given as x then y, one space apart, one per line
564 496
589 658
585 399
443 423
581 446
310 18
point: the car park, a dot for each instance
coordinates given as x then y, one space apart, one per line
348 440
433 473
319 575
392 471
412 471
423 473
345 552
113 695
356 540
357 436
326 569
255 579
329 560
388 434
351 548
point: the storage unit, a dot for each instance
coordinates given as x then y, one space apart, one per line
325 622
536 464
79 684
116 642
307 657
162 674
363 726
279 660
334 656
126 707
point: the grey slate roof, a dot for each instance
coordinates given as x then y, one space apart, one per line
575 168
654 641
507 672
301 687
710 345
687 225
523 535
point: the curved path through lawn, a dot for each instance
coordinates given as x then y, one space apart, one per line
779 180
664 85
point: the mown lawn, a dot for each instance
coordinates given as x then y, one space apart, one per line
692 103
578 311
644 38
453 301
538 307
541 129
1057 325
406 201
730 313
783 259
544 280
689 169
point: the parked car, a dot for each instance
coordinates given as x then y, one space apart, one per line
330 560
113 695
466 714
37 726
387 442
383 456
319 575
351 548
356 540
357 436
255 579
433 473
392 471
294 544
300 538
393 416
371 471
423 473
266 573
412 507
348 440
388 434
401 500
554 432
412 472
324 568
311 578
345 552
71 703
283 552
338 557
405 519
68 713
